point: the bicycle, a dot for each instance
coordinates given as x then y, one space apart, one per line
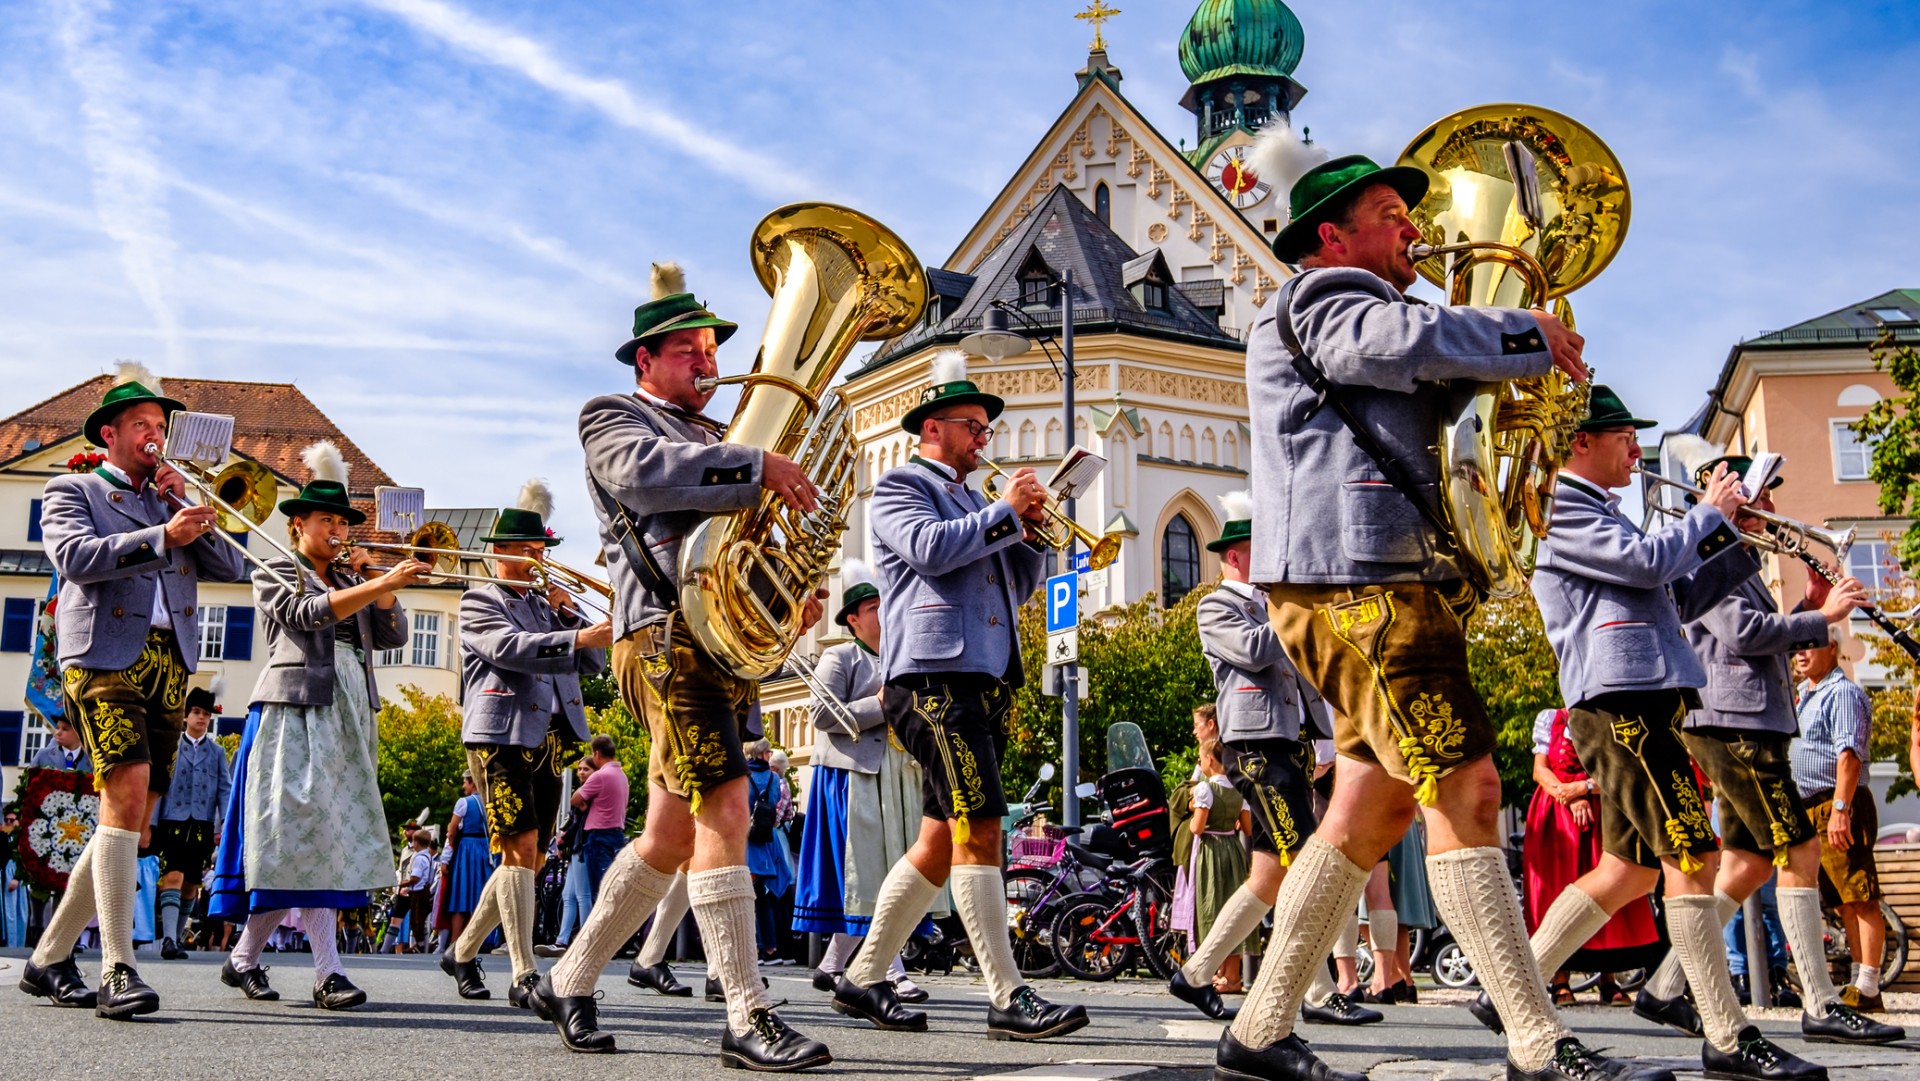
1096 937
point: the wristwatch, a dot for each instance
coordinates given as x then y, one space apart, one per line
1839 804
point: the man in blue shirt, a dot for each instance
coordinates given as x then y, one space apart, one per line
187 821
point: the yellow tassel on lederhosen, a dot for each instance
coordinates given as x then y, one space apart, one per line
1425 776
962 830
1677 833
1286 857
1780 845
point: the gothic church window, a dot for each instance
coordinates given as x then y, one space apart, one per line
1103 203
1179 560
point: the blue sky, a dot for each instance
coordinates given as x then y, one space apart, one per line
435 216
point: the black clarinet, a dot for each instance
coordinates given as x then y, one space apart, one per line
1872 611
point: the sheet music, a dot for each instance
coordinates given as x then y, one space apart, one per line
1076 474
201 438
1766 466
399 510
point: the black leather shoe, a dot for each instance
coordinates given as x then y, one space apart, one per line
771 1047
1404 991
123 994
1482 1010
575 1017
911 993
1844 1024
1288 1059
1755 1058
1743 989
467 977
60 982
1572 1061
520 991
824 981
714 993
170 951
877 1006
1203 998
1783 994
1340 1010
1030 1017
1674 1012
336 992
252 983
658 978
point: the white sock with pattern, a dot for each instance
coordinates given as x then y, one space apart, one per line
723 906
116 885
666 921
1318 893
980 896
905 896
1572 919
516 916
486 916
839 951
1694 924
253 939
1475 895
1237 919
1669 980
71 916
1383 933
322 925
628 893
1800 921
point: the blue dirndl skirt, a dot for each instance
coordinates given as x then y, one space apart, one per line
819 899
228 897
467 874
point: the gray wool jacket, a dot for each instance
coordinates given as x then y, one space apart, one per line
519 666
1323 512
1744 643
1260 692
852 676
670 472
300 630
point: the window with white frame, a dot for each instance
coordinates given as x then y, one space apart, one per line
1850 455
213 632
387 658
35 733
426 640
1872 562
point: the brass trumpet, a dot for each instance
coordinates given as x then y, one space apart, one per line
1101 550
1783 535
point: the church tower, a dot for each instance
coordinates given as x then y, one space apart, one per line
1239 57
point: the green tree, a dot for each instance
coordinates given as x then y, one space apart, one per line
632 745
1517 675
421 759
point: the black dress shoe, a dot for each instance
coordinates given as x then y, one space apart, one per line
1030 1017
1287 1059
1572 1061
1674 1012
1783 995
60 982
252 983
658 978
1755 1058
467 977
575 1017
1743 989
771 1047
1844 1024
877 1006
910 994
336 992
123 994
520 991
1481 1007
714 993
824 981
1340 1010
169 951
1203 998
1406 992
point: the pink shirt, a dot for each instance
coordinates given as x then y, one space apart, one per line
605 791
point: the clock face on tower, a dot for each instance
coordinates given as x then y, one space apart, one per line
1233 175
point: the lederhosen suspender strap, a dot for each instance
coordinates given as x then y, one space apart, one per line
653 578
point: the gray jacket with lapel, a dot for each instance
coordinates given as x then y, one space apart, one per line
109 545
1322 511
1613 597
669 472
1743 643
1260 693
852 676
300 627
953 572
510 645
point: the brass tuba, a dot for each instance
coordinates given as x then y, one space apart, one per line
836 277
1525 206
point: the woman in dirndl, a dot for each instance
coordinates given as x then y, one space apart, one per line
305 829
1218 863
470 857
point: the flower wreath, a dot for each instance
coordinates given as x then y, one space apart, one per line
58 813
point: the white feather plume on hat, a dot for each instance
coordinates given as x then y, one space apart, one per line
855 572
132 371
1281 158
668 279
1691 452
1238 506
217 685
536 495
325 462
949 366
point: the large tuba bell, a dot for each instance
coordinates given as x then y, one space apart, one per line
837 277
1525 206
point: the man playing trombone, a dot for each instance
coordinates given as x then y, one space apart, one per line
128 629
523 651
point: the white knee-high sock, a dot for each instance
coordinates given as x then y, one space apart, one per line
723 906
628 893
1348 943
666 920
1318 893
1694 924
1572 919
905 895
516 916
486 916
72 915
1383 931
1231 925
321 925
1800 920
1668 979
253 939
1475 896
839 952
980 895
116 885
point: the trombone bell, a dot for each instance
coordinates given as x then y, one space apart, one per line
246 487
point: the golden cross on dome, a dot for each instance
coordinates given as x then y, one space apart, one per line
1097 13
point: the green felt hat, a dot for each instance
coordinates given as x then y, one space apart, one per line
323 495
118 400
1737 464
515 524
1606 410
950 387
1326 189
854 596
1232 534
672 308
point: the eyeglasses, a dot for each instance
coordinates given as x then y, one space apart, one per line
977 429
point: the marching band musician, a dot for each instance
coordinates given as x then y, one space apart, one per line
1369 601
1613 600
1266 716
656 466
523 653
130 569
954 569
1739 737
863 803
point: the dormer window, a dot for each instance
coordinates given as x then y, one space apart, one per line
1036 282
1146 277
1153 296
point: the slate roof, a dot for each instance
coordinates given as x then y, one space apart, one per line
1853 324
1068 236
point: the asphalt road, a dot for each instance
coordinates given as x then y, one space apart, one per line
414 1028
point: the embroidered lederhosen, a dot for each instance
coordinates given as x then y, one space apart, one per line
1760 807
135 714
954 725
695 711
521 785
1650 805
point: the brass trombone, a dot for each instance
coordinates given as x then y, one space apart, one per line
1101 550
434 543
244 493
1783 535
583 586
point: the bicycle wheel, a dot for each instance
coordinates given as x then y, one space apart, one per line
1030 922
1893 960
1081 938
1165 947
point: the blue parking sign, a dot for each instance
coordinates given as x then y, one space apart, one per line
1063 602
